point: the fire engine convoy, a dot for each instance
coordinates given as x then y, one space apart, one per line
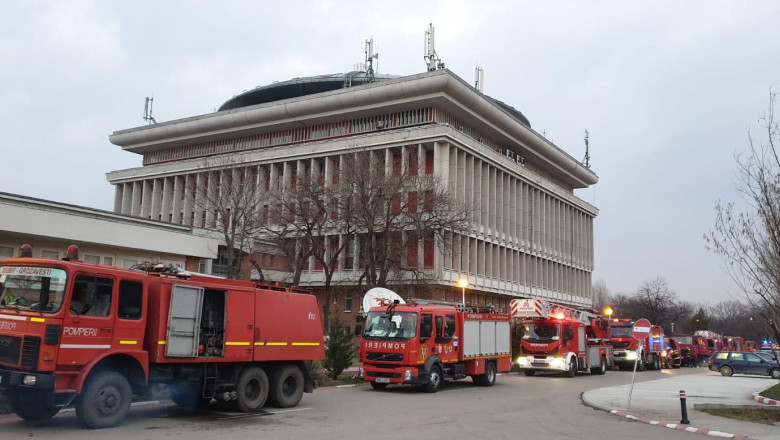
650 352
426 344
561 339
91 335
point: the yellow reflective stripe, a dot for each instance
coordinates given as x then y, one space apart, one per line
236 343
128 342
275 343
308 344
161 342
37 320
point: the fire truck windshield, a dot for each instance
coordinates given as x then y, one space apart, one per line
622 332
684 340
401 325
541 332
32 288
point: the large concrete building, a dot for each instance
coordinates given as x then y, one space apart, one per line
531 237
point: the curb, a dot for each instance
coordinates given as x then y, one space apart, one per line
675 426
765 400
679 427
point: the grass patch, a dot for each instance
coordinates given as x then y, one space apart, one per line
772 393
5 405
757 415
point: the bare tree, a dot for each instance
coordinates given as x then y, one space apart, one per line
656 299
600 292
227 201
748 237
394 208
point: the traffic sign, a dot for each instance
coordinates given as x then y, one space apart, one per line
641 329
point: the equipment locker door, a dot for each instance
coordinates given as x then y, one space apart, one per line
184 321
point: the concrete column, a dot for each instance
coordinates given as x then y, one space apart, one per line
118 189
187 207
167 194
157 190
146 199
177 199
127 198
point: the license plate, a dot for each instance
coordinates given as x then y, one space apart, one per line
382 380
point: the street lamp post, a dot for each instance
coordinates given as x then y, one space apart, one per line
463 283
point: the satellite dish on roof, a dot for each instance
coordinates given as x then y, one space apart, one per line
379 295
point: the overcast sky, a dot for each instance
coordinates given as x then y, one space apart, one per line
667 90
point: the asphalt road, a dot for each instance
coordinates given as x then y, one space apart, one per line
517 407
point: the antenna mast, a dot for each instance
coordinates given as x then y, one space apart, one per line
587 149
370 57
479 79
431 59
148 111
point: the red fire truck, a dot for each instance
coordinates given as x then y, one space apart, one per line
650 352
78 333
426 344
561 339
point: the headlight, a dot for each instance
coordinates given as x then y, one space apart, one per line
29 380
361 372
407 375
557 362
631 355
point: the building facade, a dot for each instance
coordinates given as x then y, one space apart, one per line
531 236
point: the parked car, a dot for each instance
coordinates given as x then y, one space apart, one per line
743 362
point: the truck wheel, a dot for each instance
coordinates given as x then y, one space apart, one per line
726 370
489 378
31 405
434 380
775 373
529 372
105 400
572 368
251 389
601 369
286 387
378 386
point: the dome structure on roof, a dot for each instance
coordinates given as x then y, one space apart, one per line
298 87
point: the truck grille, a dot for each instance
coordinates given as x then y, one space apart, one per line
386 357
10 347
30 350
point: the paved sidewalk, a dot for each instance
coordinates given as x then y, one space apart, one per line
659 400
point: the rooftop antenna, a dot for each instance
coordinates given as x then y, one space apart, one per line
479 79
370 57
587 149
431 59
148 111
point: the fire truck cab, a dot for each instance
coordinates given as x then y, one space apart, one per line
560 339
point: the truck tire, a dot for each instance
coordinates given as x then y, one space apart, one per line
529 372
286 387
489 378
435 380
378 386
105 400
31 405
251 389
187 395
601 369
572 368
